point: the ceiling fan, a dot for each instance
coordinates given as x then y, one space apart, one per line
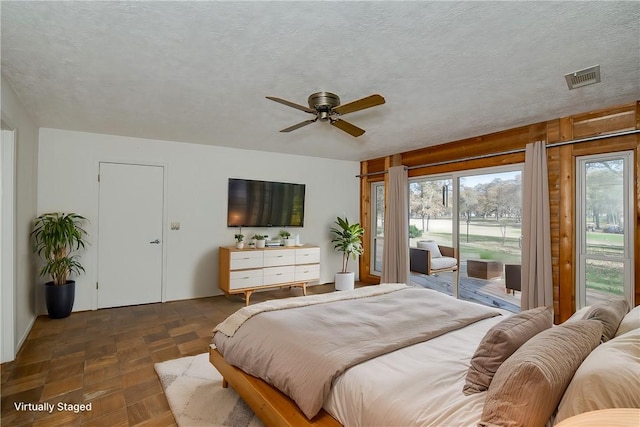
326 107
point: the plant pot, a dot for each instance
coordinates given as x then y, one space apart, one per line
239 245
344 281
289 242
60 299
260 244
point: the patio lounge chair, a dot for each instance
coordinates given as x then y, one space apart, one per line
430 258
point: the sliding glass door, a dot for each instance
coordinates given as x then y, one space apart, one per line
490 236
480 213
431 218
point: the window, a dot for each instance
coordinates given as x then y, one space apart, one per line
604 236
377 237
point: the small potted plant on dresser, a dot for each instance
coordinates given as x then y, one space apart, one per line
286 238
348 240
260 240
239 240
56 236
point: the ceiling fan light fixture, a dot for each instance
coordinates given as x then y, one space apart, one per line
326 107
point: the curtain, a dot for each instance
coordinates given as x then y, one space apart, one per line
537 285
395 258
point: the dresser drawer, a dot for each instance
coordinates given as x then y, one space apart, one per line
245 279
273 258
273 275
246 259
308 256
307 273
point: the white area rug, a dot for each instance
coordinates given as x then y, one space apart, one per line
194 390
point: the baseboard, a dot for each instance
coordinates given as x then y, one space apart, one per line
25 336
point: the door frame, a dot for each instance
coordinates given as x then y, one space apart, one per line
165 209
8 321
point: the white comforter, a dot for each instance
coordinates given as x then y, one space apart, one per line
419 385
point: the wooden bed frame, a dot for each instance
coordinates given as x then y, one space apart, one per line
269 404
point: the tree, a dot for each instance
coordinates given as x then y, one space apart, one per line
468 204
604 195
425 201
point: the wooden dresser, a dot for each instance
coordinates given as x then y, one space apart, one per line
243 271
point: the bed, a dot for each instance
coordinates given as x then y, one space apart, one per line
416 379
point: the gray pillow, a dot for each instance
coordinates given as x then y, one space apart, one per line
528 386
500 342
431 246
610 313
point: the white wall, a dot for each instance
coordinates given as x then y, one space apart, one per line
18 323
196 197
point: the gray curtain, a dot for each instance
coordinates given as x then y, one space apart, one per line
395 258
537 285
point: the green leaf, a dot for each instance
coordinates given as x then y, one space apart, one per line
55 236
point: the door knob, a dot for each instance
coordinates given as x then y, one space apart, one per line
156 242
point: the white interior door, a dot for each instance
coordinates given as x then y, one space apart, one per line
130 234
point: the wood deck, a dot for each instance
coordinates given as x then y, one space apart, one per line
490 292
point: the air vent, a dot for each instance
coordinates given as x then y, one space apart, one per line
585 77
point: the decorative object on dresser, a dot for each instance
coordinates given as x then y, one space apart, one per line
239 240
348 240
243 271
286 238
260 240
56 235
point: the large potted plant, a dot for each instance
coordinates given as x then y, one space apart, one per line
348 240
56 236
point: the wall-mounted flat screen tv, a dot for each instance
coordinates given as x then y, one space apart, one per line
265 204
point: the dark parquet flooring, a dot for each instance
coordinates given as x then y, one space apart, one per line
106 357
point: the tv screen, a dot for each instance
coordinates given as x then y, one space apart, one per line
265 204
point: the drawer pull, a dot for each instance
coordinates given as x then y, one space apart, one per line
246 277
279 274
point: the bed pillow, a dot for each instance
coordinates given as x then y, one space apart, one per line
430 245
500 342
610 313
608 378
629 322
579 315
528 386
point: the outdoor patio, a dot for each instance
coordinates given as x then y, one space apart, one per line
490 292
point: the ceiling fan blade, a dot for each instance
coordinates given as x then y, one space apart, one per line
299 125
292 104
360 104
352 130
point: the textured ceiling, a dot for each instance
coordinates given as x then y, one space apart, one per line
199 71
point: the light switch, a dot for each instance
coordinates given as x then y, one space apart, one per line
175 225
